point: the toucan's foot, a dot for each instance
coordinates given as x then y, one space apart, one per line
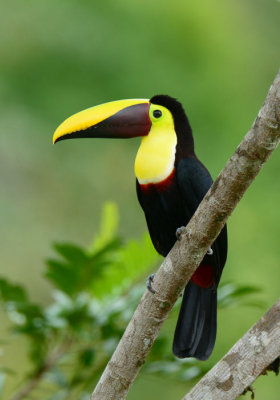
210 251
249 389
149 282
179 232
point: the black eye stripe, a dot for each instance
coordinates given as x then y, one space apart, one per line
157 113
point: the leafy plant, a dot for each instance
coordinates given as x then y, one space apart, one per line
71 340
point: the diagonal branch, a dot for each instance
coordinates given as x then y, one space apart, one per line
184 258
246 360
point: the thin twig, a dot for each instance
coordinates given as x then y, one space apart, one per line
50 362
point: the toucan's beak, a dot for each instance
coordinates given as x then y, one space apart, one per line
117 119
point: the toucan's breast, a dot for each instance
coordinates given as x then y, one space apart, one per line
156 155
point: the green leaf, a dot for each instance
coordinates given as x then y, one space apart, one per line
34 319
72 314
104 256
28 318
108 226
64 276
71 252
135 260
87 356
10 292
80 269
229 294
244 290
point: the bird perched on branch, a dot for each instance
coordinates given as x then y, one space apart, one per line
170 183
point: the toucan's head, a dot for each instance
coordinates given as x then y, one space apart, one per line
125 119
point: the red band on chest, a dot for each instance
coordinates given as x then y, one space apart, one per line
159 186
203 276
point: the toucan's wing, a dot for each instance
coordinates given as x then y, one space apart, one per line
194 182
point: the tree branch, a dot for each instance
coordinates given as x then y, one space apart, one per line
186 255
246 360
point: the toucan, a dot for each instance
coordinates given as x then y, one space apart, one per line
170 184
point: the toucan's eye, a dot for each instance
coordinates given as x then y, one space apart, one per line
157 113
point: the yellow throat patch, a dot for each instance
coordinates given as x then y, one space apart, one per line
156 155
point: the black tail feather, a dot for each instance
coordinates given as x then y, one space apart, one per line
196 328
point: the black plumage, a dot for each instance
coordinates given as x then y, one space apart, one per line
169 205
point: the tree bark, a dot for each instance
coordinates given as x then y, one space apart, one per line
188 252
247 359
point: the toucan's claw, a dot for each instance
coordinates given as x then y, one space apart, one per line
210 251
149 282
179 232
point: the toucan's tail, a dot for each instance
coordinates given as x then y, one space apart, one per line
196 328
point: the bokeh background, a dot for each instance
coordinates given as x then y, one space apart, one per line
218 58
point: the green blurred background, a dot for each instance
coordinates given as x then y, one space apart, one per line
217 57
